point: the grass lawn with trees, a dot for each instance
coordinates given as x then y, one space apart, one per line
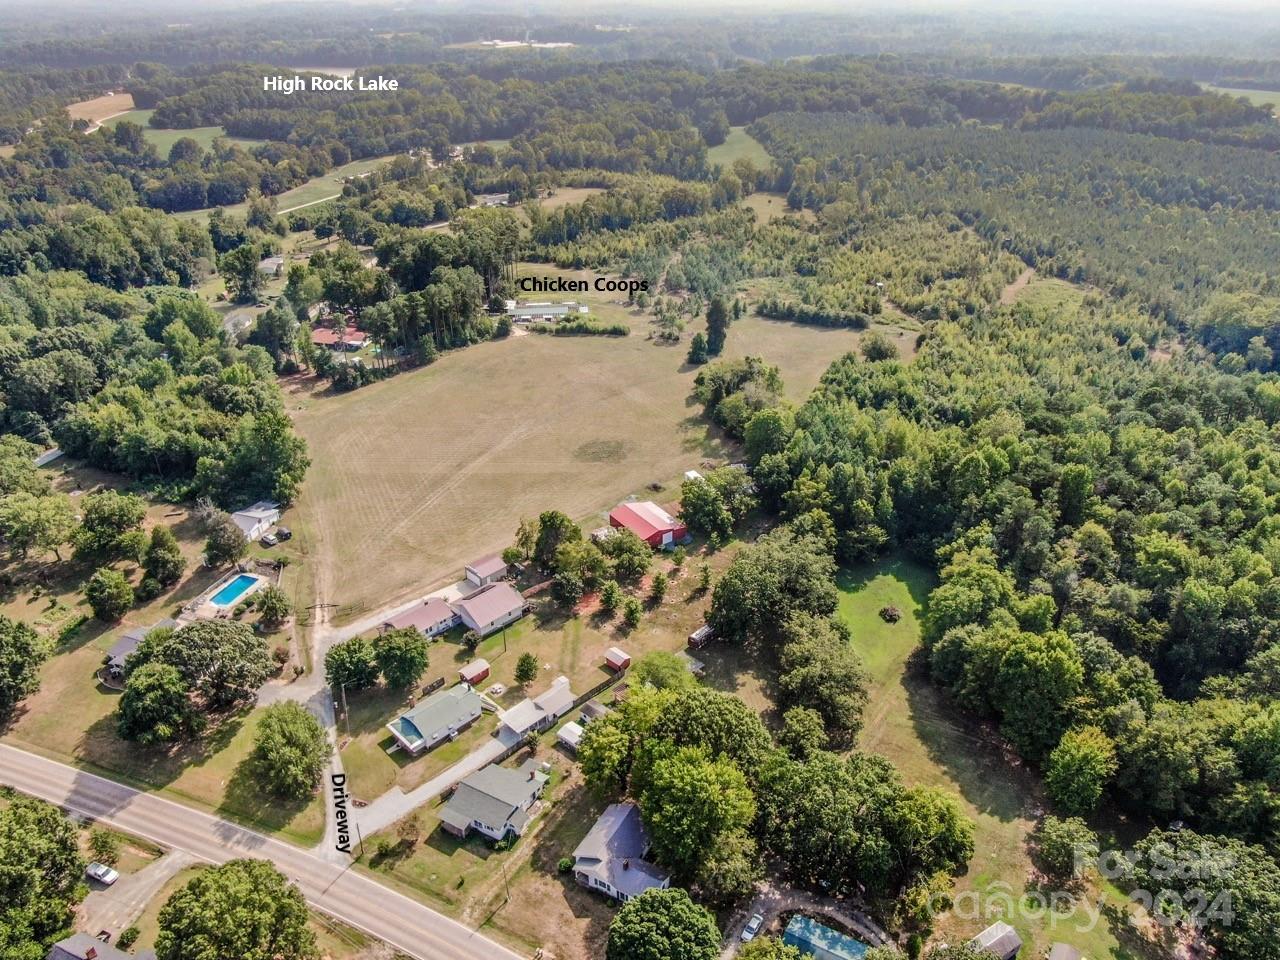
569 646
470 879
932 743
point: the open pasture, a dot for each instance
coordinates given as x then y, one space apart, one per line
416 475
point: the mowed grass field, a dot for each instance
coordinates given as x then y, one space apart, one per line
739 144
1258 98
163 140
416 475
931 743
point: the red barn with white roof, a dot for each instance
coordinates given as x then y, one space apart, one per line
649 522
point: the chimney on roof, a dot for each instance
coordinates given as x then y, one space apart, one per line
530 774
90 953
626 864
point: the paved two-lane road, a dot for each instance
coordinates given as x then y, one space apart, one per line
334 889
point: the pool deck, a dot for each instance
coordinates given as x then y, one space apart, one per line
203 607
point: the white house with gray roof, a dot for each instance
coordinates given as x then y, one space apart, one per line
610 858
439 717
494 801
538 713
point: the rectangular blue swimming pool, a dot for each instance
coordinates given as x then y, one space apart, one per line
234 590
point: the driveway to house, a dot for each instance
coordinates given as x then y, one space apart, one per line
116 907
773 899
395 803
339 891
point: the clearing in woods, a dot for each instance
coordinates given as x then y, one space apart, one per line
1259 98
739 144
163 140
1010 293
316 190
416 475
100 108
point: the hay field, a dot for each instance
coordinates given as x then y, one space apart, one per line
414 476
100 108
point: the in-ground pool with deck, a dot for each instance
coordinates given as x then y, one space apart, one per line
233 590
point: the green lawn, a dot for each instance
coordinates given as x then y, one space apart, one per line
165 139
1256 97
739 143
933 744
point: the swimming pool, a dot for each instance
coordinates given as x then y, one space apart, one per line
234 590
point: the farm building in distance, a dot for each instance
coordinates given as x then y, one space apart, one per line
433 616
610 857
271 266
545 312
441 716
494 801
490 608
649 522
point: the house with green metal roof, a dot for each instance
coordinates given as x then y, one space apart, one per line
817 940
439 717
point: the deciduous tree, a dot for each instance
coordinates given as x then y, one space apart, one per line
245 909
401 656
290 750
663 925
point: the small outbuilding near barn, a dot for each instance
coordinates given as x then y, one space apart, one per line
649 522
615 658
474 672
1061 951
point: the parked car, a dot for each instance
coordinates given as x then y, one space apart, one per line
283 534
752 928
102 873
269 540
